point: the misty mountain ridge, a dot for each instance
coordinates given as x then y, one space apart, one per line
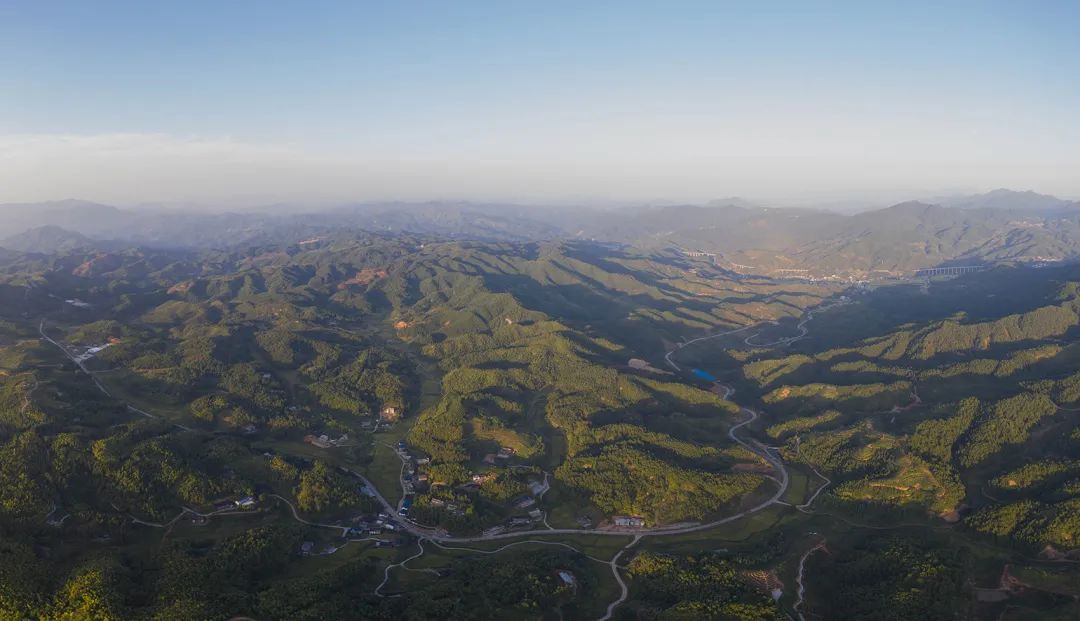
1002 225
1009 199
47 239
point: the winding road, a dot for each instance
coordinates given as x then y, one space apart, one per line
826 482
659 531
801 327
801 591
624 591
667 356
439 538
386 572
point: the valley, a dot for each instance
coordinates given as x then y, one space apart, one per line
406 415
509 311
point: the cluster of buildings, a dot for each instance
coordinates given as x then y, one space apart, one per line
412 480
500 458
629 521
364 527
308 549
451 507
526 503
245 502
567 578
518 521
372 525
91 351
386 419
324 441
415 481
525 506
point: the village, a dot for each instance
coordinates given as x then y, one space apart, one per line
426 503
522 510
367 527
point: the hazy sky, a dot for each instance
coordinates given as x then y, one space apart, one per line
136 101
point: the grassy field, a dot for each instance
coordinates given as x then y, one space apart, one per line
384 470
600 546
739 531
800 486
223 526
125 386
593 599
1059 580
564 508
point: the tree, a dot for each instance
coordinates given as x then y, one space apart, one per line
321 489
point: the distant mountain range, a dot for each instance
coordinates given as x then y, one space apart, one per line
47 239
998 226
1009 199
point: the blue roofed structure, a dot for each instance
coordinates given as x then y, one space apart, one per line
708 377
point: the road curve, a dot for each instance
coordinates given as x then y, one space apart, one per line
801 586
667 356
434 535
754 447
386 572
441 537
296 515
438 536
624 590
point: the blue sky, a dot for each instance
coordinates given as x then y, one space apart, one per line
133 101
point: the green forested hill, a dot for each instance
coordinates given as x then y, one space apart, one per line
212 371
932 415
503 371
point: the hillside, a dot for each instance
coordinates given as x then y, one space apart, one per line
998 227
196 412
47 239
891 242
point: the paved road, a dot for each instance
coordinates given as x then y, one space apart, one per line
764 452
386 572
826 481
801 327
624 591
435 535
440 537
296 515
79 363
97 382
668 355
